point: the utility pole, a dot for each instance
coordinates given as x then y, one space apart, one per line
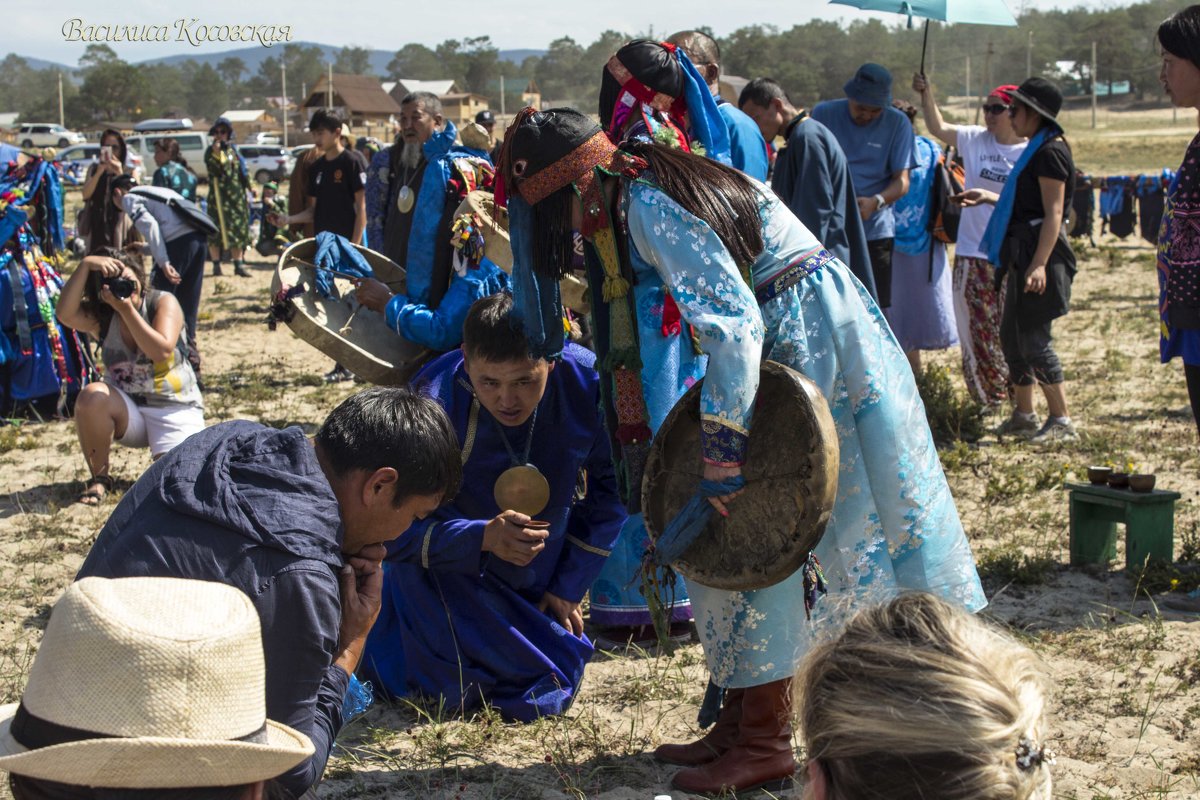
967 90
1029 57
329 88
61 119
502 95
1093 84
283 86
987 79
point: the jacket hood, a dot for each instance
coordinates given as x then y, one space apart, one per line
440 143
263 483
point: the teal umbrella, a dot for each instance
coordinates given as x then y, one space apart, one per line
978 12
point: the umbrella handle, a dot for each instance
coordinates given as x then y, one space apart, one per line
924 44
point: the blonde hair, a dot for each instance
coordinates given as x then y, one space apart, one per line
919 699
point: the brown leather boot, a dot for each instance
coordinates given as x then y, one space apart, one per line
761 757
714 743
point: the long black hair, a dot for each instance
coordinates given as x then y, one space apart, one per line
103 218
721 196
1179 34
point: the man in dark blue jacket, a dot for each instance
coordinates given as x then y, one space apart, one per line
299 527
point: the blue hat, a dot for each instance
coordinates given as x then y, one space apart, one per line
871 86
222 122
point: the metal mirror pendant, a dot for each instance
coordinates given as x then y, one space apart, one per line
523 489
405 200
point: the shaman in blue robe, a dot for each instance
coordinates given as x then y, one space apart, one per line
434 306
464 625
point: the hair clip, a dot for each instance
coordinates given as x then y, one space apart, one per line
1030 754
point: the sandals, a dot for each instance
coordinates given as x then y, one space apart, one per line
97 487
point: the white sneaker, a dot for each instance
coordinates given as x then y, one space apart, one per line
1056 431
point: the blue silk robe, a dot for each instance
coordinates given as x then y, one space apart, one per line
464 625
894 524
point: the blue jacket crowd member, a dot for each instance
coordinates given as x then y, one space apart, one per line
298 526
811 176
878 142
754 284
480 604
413 190
747 148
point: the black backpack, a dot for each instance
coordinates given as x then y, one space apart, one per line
196 219
948 180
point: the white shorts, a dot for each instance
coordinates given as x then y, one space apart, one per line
157 427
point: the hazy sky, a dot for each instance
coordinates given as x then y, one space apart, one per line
387 25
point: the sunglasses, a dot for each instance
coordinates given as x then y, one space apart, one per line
995 108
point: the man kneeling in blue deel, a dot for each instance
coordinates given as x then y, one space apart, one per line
481 601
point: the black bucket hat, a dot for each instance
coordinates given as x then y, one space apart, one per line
1042 96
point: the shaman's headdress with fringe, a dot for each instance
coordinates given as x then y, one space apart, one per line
654 85
551 160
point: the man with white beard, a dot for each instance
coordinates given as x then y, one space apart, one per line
413 189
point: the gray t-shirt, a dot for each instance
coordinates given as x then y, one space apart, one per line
166 383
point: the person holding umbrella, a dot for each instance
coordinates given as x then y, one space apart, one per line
989 153
1026 236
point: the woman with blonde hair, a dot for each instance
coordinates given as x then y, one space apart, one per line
919 700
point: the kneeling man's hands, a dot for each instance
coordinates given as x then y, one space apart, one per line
361 582
564 612
506 538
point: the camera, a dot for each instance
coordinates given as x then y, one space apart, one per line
120 287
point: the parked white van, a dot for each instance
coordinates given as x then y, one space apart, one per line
192 145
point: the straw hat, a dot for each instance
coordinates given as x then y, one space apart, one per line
476 137
148 683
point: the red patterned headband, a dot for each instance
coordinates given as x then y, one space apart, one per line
659 101
577 164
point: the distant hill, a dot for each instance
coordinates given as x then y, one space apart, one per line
253 56
41 63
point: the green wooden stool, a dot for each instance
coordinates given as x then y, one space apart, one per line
1149 519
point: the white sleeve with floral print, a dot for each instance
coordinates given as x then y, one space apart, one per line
714 299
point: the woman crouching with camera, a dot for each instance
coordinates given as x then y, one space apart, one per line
149 396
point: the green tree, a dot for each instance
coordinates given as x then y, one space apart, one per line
208 96
353 60
112 89
559 73
415 61
231 70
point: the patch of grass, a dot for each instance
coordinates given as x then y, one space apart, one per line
953 416
1008 565
13 438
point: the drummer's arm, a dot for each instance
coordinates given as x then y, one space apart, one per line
441 328
728 321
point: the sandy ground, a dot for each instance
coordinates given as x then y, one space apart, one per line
1127 706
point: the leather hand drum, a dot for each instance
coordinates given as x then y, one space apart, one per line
791 474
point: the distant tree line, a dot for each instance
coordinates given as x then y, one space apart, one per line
812 61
